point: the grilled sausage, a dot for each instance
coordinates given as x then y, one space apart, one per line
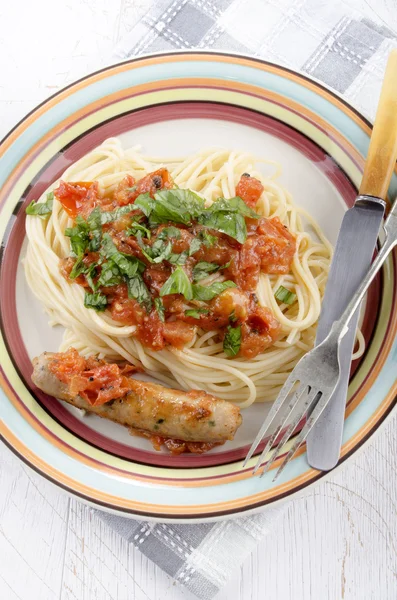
193 416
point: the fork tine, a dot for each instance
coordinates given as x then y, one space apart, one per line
310 398
285 390
283 419
283 412
318 409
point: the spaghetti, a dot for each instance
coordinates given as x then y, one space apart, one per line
202 363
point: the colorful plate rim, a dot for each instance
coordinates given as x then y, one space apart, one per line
252 78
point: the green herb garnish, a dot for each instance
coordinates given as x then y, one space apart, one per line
138 228
206 293
207 239
113 215
137 289
203 269
177 283
178 259
128 265
110 275
232 341
95 226
158 303
169 233
78 268
177 206
285 296
228 216
96 301
195 246
41 209
196 312
79 236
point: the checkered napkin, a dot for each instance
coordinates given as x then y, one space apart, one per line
345 48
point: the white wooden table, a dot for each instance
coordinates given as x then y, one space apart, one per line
338 542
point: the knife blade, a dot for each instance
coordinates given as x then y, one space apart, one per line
364 219
352 258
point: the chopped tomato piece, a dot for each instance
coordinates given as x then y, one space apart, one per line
176 446
258 332
66 265
249 189
94 380
178 334
123 309
155 276
152 183
276 247
150 333
77 198
66 364
246 268
123 194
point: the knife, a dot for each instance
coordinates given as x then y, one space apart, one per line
353 253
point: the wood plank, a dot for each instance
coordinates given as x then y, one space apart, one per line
33 523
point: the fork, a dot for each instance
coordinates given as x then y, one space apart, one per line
315 377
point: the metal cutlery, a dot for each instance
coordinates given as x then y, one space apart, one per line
352 257
317 374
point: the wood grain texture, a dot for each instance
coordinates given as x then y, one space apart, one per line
338 542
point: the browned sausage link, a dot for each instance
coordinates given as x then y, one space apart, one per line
190 416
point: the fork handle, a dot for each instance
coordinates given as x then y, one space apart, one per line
341 326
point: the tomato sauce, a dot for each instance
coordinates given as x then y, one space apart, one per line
269 248
93 379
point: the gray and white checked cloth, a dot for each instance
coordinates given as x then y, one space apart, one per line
345 46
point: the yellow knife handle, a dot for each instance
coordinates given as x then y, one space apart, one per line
382 152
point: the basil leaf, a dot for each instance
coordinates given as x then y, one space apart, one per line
202 270
168 208
138 228
96 301
169 233
110 275
41 209
195 245
228 216
208 239
285 296
78 268
196 312
181 206
163 253
145 203
146 250
232 341
158 303
236 205
177 206
89 275
232 223
177 283
128 265
205 293
178 259
137 289
113 215
95 225
79 236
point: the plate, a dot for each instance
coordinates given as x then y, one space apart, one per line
173 104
